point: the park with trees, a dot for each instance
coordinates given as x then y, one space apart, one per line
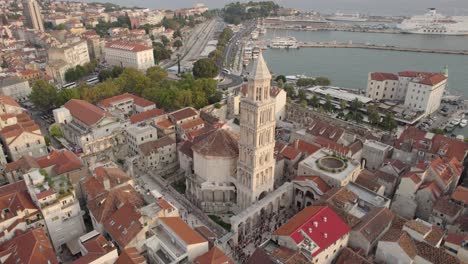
152 85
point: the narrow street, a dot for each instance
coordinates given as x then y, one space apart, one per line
191 214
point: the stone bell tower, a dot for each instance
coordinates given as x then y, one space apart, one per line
256 164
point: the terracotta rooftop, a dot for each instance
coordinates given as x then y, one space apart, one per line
305 147
348 256
23 164
433 188
182 230
15 198
219 143
383 76
130 256
115 176
460 195
127 46
402 239
321 184
368 180
61 161
143 116
29 248
375 223
7 100
445 206
290 153
108 202
152 146
326 130
165 123
184 113
315 222
213 256
85 112
434 254
108 102
124 224
456 239
92 187
192 124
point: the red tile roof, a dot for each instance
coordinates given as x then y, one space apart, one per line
62 161
153 146
305 147
108 202
115 176
124 224
184 113
439 145
130 256
143 116
23 164
16 198
432 186
182 230
321 184
219 143
460 195
325 130
92 187
85 112
383 76
290 153
192 124
165 123
456 239
319 223
127 46
213 256
31 247
126 96
7 100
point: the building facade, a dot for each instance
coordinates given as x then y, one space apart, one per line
32 13
129 54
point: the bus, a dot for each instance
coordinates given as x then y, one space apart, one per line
92 81
69 85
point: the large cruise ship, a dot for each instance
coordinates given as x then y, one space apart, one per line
433 23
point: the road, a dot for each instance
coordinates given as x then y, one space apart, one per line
230 51
195 44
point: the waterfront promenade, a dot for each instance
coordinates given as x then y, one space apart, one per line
378 47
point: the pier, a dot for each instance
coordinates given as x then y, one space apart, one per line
377 47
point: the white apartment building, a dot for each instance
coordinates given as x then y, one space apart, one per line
139 134
15 87
425 92
61 210
129 54
74 54
420 91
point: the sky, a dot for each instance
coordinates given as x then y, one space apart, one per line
374 7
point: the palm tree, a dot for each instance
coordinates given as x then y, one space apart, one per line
315 101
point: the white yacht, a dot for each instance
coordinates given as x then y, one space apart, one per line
284 43
433 23
456 121
463 123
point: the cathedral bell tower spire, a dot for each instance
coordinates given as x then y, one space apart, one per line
256 165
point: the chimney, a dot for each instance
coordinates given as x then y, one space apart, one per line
106 183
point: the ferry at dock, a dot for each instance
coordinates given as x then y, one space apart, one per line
433 23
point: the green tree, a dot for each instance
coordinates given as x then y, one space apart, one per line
205 68
43 95
290 91
280 83
302 95
60 27
373 114
160 54
315 101
388 122
302 82
177 34
328 106
55 131
71 75
156 74
177 44
322 81
132 81
64 95
104 75
438 131
165 41
281 77
343 105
